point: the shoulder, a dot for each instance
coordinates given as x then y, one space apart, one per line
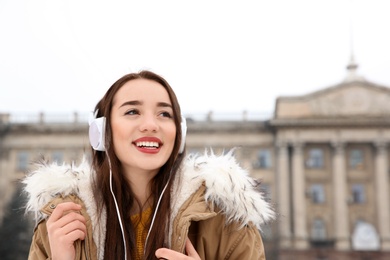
227 186
51 180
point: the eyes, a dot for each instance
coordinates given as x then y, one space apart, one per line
132 112
166 114
137 112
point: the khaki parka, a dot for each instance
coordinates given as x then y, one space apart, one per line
214 203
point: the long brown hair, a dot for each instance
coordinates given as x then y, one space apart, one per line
114 248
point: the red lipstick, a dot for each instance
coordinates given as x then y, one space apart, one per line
148 144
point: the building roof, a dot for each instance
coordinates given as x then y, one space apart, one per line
353 97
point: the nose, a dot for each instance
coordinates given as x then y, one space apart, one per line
148 124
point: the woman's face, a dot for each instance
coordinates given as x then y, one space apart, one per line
143 126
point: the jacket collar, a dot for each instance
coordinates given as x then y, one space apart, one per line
228 187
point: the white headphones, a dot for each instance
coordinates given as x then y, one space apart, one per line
97 128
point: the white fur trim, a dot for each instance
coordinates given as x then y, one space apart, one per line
228 186
49 181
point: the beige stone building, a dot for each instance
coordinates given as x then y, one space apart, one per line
332 174
323 159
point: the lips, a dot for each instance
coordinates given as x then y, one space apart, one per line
149 143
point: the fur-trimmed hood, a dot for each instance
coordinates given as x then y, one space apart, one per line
228 186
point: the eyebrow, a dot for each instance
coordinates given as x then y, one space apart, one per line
138 103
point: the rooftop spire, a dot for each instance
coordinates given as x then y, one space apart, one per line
352 66
352 74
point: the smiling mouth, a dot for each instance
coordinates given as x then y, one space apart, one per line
148 145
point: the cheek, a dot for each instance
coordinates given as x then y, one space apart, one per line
172 135
117 133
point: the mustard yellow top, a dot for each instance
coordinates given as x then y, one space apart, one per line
140 231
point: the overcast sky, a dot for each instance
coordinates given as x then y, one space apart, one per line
226 56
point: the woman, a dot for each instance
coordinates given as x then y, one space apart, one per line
141 198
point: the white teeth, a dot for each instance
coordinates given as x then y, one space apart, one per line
147 144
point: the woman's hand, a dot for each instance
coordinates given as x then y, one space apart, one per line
65 226
165 253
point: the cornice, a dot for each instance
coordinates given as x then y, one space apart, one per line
48 128
227 126
333 122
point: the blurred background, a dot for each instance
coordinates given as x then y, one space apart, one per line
300 87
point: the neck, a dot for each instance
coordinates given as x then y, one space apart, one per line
140 182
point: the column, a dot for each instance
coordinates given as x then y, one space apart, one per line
341 215
299 199
5 180
382 194
3 186
283 191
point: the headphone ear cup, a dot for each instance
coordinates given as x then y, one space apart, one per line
96 133
183 134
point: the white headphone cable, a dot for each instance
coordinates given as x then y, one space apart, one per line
155 212
117 208
118 212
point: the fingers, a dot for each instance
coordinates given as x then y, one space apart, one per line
65 226
71 222
69 217
165 253
67 221
63 208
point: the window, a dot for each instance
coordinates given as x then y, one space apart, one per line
263 159
315 158
358 195
317 193
22 161
58 157
318 230
356 159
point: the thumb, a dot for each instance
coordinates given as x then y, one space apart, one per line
190 249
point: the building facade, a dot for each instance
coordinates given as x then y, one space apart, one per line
323 161
332 176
